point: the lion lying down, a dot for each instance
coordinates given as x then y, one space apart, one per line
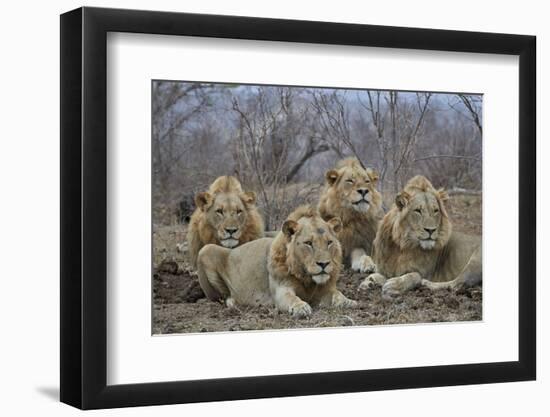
294 271
415 245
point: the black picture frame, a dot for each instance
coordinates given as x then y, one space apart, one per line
84 207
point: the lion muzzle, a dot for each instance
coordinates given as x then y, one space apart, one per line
229 243
320 279
229 237
427 244
361 205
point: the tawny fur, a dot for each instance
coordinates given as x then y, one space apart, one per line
202 230
225 184
454 257
359 228
286 265
278 271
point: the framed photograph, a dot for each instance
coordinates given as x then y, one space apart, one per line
257 208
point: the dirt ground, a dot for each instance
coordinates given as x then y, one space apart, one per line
179 305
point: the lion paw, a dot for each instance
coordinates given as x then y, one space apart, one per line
392 289
428 284
372 281
437 286
348 303
364 264
399 285
341 301
300 309
367 284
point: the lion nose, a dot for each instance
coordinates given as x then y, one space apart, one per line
230 230
323 265
429 230
363 191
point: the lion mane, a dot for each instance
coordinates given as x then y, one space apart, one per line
392 237
225 215
344 186
285 262
295 270
415 244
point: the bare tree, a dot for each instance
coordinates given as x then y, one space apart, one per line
472 108
334 119
177 133
397 124
279 141
271 126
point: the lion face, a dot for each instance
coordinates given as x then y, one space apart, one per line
313 249
423 220
355 186
227 213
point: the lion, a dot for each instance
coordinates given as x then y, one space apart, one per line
225 215
415 245
294 271
350 193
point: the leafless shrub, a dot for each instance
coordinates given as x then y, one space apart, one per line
279 141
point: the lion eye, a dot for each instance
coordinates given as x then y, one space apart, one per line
349 181
239 211
418 211
308 242
436 210
219 211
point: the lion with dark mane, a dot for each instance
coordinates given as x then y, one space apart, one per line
416 245
294 271
225 215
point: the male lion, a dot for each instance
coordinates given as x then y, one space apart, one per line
350 194
225 215
415 245
294 271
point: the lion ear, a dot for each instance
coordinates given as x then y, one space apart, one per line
290 227
373 175
248 197
331 176
204 200
336 224
442 194
402 199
